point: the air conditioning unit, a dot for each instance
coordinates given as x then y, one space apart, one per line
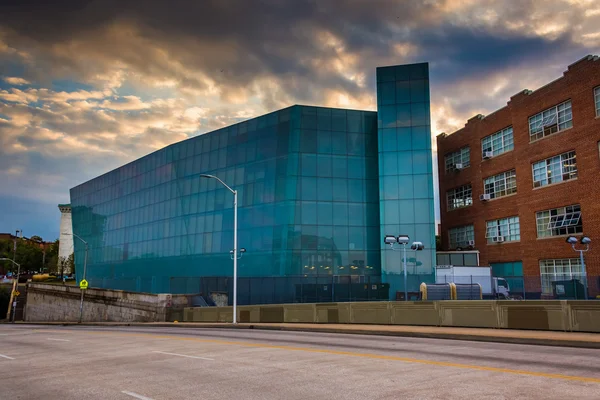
498 239
471 243
485 197
487 155
458 166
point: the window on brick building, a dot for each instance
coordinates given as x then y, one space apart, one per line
498 143
597 100
461 236
559 270
559 221
461 158
503 230
552 120
501 185
555 169
459 197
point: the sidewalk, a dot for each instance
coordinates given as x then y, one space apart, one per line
542 338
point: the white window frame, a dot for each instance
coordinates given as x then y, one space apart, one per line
459 236
561 221
509 228
564 165
459 197
558 269
499 142
460 156
551 121
597 100
501 185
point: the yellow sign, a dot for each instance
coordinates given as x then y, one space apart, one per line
17 293
83 284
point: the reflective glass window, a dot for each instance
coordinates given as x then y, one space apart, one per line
309 164
403 115
402 92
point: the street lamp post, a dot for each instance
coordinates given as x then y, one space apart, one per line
234 252
572 240
84 273
15 243
403 240
15 287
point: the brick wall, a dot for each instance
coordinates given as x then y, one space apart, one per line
577 84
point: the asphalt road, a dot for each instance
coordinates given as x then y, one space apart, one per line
43 362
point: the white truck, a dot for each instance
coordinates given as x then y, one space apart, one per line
490 286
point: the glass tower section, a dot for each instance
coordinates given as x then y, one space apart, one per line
405 171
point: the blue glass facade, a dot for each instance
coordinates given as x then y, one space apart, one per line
318 189
405 170
308 204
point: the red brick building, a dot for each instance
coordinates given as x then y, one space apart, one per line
516 183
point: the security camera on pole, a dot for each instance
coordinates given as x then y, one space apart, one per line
403 240
572 240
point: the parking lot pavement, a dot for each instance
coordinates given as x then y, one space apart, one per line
178 363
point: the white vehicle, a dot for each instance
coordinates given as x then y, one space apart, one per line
490 286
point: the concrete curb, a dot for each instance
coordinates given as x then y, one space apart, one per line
351 331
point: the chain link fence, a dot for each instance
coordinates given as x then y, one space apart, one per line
321 289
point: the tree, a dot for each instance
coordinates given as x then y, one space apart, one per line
29 255
438 242
36 238
52 258
6 251
71 263
67 265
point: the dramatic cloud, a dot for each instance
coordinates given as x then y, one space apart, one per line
12 80
88 85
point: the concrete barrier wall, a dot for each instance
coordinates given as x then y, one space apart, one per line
468 313
554 315
424 313
61 303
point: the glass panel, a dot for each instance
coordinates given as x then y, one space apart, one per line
308 141
325 213
403 115
388 116
419 114
403 92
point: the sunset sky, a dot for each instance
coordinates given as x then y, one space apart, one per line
86 86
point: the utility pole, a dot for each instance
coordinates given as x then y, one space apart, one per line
13 299
15 244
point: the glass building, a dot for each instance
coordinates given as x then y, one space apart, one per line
405 171
318 187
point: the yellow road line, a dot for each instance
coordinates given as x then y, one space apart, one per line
349 353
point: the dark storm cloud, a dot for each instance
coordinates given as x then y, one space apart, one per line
236 42
143 74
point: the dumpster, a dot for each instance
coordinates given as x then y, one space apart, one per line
570 289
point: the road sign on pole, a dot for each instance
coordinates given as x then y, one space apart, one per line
83 285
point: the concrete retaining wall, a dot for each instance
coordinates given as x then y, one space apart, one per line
553 315
61 303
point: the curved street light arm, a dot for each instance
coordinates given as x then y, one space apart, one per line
217 178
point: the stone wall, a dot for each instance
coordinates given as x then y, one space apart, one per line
61 304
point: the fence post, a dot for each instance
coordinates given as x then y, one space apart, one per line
332 289
470 289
